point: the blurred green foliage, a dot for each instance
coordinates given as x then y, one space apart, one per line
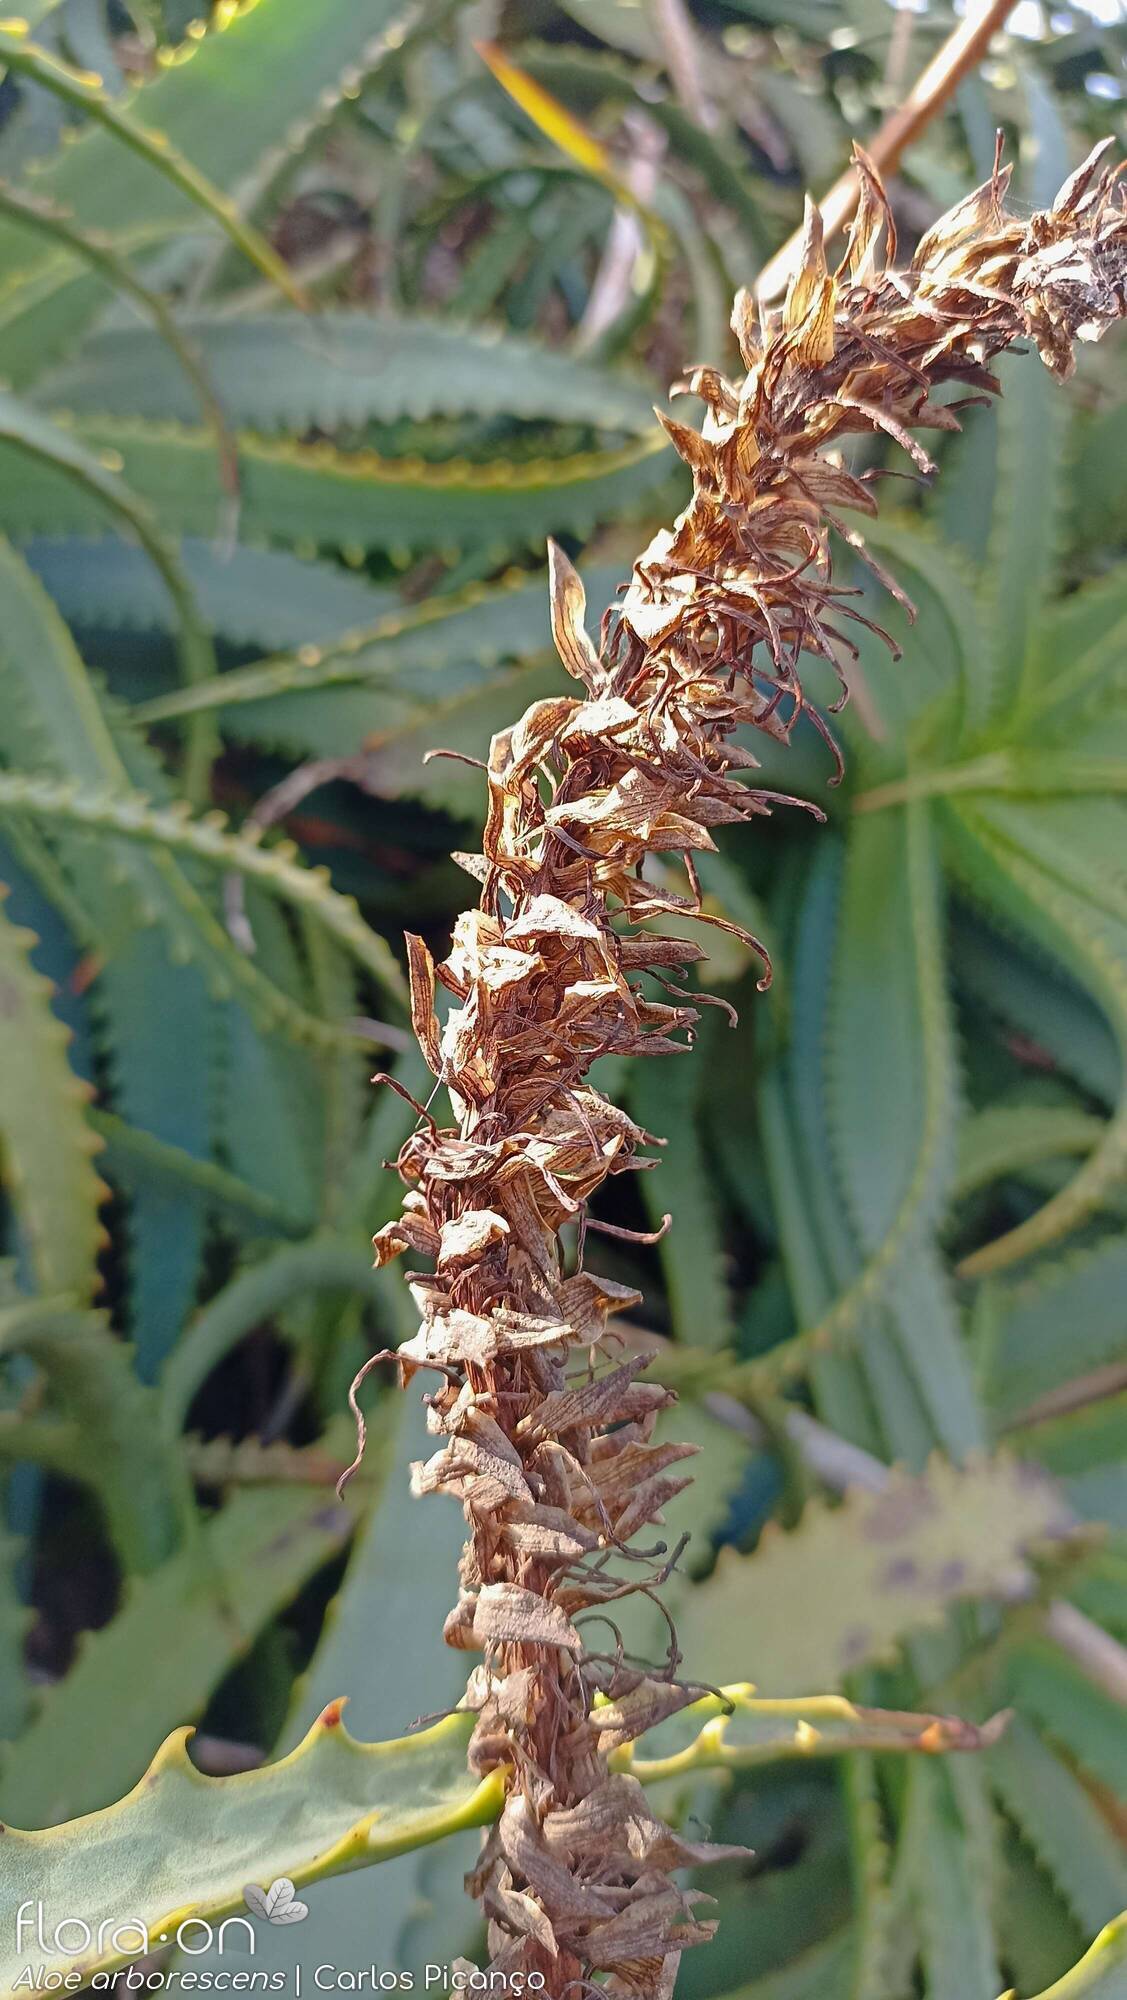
899 1183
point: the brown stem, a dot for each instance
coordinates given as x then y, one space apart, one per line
959 54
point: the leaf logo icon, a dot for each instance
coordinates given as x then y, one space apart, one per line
277 1904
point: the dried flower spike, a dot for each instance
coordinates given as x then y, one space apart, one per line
545 1438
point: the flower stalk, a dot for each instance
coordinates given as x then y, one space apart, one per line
545 1428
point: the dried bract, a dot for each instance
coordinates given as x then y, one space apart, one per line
546 1437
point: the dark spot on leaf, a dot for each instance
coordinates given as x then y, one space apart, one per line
1028 1474
898 1511
898 1574
855 1644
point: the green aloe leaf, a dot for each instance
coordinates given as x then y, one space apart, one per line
179 1630
140 998
812 1975
111 1438
259 83
1097 492
83 91
883 1942
1037 1935
47 1148
819 1250
406 648
1044 895
15 1619
1085 1291
398 1581
179 1849
317 1264
135 1158
171 828
1051 1688
1058 1818
1003 1138
893 1147
279 373
1026 990
158 1048
848 1584
39 442
265 598
181 1846
1026 530
1028 502
692 1255
55 721
891 1108
948 1845
347 500
94 472
947 645
586 79
1101 1973
56 225
1076 661
466 706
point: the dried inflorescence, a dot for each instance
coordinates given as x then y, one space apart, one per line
546 1439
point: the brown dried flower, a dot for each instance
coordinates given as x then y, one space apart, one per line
556 1467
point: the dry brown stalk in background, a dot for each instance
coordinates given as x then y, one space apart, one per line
964 48
556 1465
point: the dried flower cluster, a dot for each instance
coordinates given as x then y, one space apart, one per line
546 1441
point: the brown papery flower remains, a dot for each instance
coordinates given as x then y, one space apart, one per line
548 1438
